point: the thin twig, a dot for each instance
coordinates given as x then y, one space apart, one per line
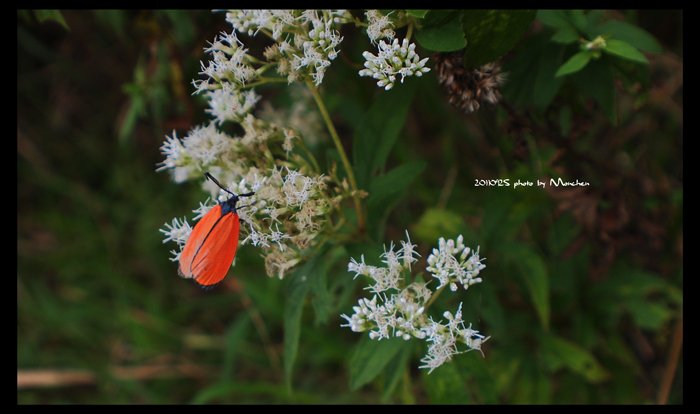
48 378
671 364
448 187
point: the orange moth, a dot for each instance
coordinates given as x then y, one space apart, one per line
212 245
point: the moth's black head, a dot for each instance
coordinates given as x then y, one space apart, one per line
229 206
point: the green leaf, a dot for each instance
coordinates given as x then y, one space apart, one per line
534 272
417 13
441 32
596 82
445 385
115 19
182 25
531 73
565 36
650 300
234 336
379 130
492 33
624 50
214 392
322 300
564 229
370 358
385 192
299 284
395 370
649 315
558 352
477 372
635 36
438 222
574 64
578 19
51 15
556 19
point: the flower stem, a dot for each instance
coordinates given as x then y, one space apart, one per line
409 31
434 296
341 152
262 81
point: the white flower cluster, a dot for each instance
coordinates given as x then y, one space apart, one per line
394 311
291 204
306 41
393 59
202 147
230 104
283 217
378 26
289 208
230 64
452 265
177 231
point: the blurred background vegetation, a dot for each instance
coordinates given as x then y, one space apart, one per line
583 286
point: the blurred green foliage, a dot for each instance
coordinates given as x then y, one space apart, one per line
582 294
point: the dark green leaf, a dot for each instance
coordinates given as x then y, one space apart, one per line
322 300
183 27
234 336
299 284
556 19
214 392
574 64
386 191
624 50
558 352
578 19
531 72
565 36
441 32
379 130
370 358
534 272
417 13
116 19
565 117
563 231
445 385
596 82
648 314
492 33
395 370
137 109
477 372
51 15
635 36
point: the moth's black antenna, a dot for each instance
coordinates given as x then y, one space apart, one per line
211 177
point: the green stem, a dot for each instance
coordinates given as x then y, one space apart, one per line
435 296
308 152
263 81
341 151
409 32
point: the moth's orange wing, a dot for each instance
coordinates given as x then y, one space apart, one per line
194 243
214 259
